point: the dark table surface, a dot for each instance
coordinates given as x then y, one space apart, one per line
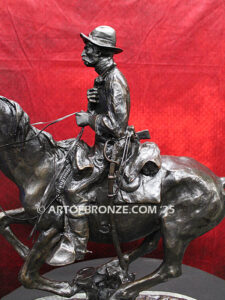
193 283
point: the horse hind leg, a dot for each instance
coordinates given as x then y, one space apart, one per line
15 216
148 245
174 248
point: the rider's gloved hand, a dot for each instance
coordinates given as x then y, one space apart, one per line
85 118
82 118
92 95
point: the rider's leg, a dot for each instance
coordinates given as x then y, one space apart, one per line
80 230
15 216
77 213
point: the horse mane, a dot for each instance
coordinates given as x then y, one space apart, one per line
21 128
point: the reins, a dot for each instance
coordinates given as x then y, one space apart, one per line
19 219
36 135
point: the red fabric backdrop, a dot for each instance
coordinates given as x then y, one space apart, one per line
173 60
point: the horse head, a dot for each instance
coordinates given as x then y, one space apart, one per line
23 148
13 122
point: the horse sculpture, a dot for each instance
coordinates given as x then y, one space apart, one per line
30 158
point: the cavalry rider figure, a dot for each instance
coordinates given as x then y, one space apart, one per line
108 101
107 114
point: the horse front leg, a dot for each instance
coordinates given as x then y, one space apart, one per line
15 216
29 275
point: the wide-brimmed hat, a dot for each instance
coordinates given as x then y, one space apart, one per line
103 36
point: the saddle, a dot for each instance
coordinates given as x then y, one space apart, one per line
138 182
84 157
140 168
141 180
146 160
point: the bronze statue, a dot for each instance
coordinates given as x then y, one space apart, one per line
183 199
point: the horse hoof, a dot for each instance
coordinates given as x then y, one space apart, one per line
69 290
123 294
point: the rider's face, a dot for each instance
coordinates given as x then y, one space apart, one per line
90 55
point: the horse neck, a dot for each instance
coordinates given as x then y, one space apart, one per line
21 148
20 159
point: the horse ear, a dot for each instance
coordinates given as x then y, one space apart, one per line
5 117
12 118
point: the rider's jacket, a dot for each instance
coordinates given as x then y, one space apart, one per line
112 110
111 115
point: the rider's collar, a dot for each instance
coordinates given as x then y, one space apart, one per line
104 66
